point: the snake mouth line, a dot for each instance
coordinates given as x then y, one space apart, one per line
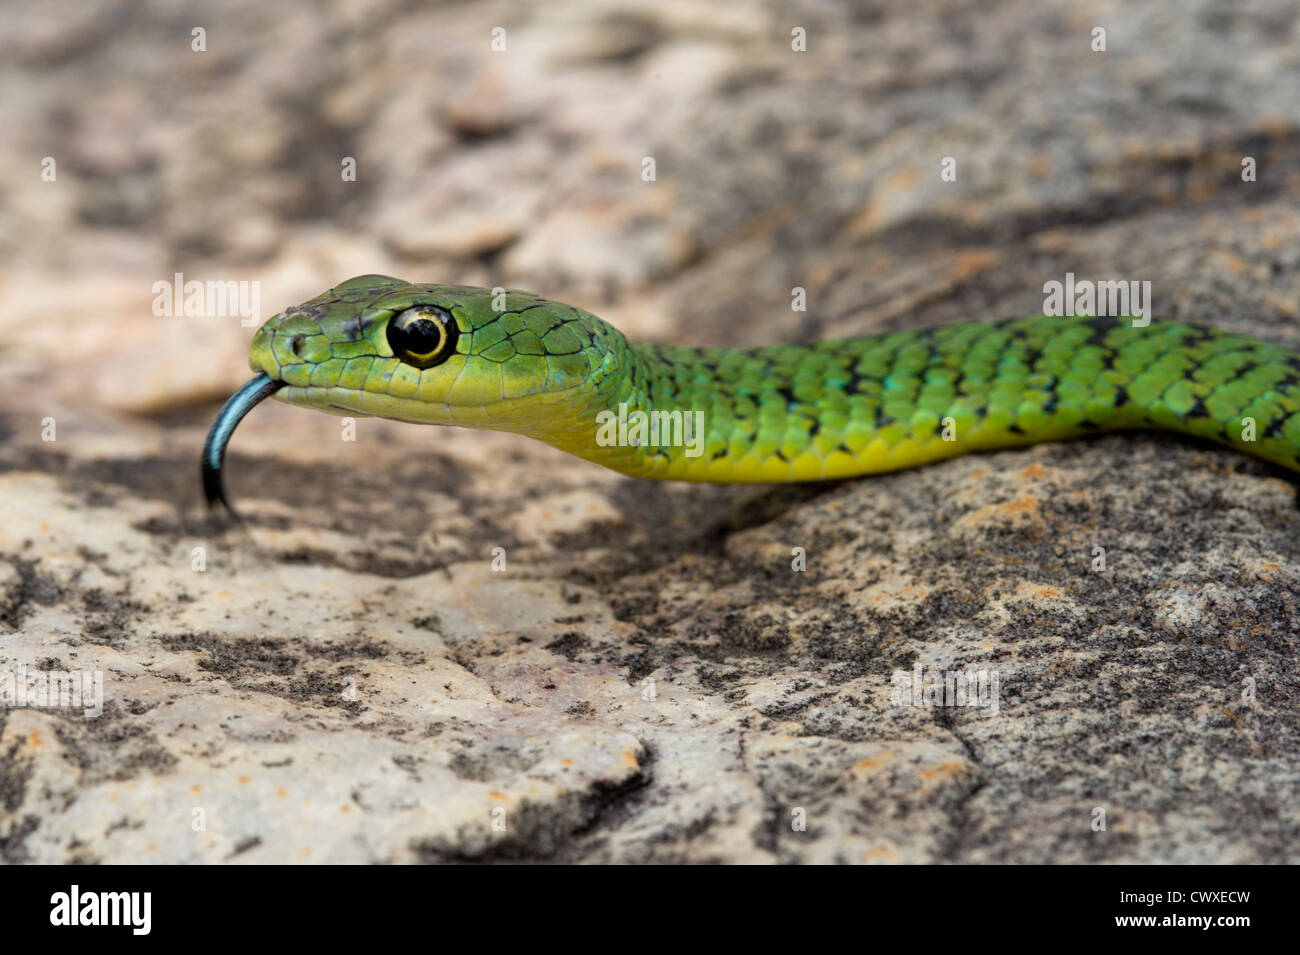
262 386
258 388
413 409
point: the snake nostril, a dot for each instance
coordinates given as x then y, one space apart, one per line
295 343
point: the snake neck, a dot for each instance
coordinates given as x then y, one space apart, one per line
867 405
631 413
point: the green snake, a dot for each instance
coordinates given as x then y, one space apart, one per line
511 361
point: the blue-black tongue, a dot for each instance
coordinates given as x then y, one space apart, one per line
231 413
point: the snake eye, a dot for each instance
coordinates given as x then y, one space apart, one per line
423 335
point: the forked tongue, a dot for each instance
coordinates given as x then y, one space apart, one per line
228 418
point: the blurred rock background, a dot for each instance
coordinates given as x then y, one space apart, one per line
348 680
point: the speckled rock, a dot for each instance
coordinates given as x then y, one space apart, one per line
436 645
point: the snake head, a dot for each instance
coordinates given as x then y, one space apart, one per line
432 354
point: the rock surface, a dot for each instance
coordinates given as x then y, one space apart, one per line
347 677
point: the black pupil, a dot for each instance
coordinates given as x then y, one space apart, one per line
421 336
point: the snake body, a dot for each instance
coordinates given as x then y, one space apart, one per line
511 361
